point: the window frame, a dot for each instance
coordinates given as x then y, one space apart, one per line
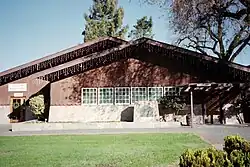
96 97
129 97
115 90
99 96
175 87
138 88
162 92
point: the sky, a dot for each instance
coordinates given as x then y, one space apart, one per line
31 29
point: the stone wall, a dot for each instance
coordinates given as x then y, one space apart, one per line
171 115
143 111
93 113
146 111
4 112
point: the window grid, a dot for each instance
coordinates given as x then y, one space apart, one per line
89 96
172 91
105 96
139 94
122 95
155 93
125 95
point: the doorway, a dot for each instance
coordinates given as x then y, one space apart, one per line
18 114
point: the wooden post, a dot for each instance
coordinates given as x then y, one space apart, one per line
192 108
203 111
221 110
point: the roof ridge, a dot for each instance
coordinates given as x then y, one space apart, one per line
200 55
59 53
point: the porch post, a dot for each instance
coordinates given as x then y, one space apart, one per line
192 108
221 111
203 111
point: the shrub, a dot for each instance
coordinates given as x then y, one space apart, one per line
233 143
176 103
237 158
37 106
236 153
209 157
238 150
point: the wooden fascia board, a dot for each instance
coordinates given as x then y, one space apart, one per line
195 54
85 59
50 57
62 52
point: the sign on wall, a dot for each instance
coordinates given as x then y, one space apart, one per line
18 94
17 87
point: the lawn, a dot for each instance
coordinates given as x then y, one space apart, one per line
130 150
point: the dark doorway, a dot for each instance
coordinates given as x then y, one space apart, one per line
16 107
127 115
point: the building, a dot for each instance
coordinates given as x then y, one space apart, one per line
98 80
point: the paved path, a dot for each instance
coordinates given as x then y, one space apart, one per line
213 134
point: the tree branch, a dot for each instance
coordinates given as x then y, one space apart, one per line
220 37
210 32
199 47
246 3
238 15
245 42
236 42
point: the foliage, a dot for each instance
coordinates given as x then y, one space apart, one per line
243 101
233 143
241 105
219 27
172 102
236 153
209 157
143 28
37 105
238 149
105 19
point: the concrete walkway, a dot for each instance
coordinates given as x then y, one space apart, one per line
214 134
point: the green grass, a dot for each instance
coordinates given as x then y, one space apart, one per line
131 150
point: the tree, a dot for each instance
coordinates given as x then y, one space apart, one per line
37 106
143 28
105 19
219 27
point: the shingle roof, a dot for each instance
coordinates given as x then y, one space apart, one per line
121 45
11 74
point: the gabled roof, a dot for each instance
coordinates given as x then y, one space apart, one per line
227 70
86 63
58 58
130 50
195 54
96 51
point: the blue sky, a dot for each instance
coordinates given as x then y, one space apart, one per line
30 29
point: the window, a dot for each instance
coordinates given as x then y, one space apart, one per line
105 95
172 91
89 96
126 95
122 95
139 94
155 93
